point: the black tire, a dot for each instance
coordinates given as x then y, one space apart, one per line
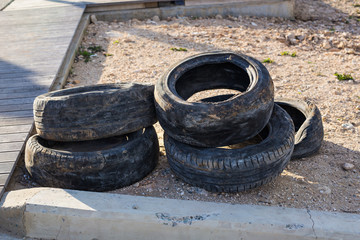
235 170
112 163
94 112
205 124
309 131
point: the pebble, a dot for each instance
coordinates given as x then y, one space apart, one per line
254 24
347 126
218 16
156 19
324 190
136 184
348 166
93 19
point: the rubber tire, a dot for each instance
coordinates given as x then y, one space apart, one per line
235 170
221 123
308 126
94 112
115 166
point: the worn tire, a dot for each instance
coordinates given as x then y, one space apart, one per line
309 131
234 170
221 123
112 163
94 112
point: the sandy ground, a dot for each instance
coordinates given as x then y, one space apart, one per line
325 38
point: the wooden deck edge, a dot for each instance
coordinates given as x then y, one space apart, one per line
64 70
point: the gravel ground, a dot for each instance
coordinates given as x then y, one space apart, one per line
323 40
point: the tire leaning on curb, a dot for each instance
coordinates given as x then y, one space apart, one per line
94 112
206 124
308 126
234 170
111 163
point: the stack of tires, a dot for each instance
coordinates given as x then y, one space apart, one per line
101 137
94 138
196 131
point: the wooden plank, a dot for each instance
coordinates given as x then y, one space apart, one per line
6 116
22 95
6 167
29 88
14 137
19 101
4 130
13 84
3 178
11 147
8 156
16 107
13 121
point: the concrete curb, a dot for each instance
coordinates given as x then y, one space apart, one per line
50 213
263 8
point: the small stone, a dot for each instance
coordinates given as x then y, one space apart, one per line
76 81
347 126
348 166
324 190
340 45
218 16
290 39
156 19
151 22
300 37
93 19
326 45
349 51
136 184
254 24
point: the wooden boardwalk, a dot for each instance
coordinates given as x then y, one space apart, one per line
33 44
35 36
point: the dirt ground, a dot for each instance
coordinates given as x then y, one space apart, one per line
323 40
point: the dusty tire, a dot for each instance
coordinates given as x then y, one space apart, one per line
234 170
94 112
113 162
309 131
205 124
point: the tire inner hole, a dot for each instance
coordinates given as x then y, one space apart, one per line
211 80
89 146
296 115
252 141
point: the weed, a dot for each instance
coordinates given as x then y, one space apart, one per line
343 77
356 5
95 49
284 53
116 41
268 60
309 62
108 54
179 49
293 54
332 29
85 54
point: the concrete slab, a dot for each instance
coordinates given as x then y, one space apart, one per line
264 8
68 214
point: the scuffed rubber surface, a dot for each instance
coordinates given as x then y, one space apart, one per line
308 126
106 165
94 112
211 124
235 170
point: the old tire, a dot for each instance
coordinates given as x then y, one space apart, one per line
234 170
221 123
309 131
112 163
94 112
